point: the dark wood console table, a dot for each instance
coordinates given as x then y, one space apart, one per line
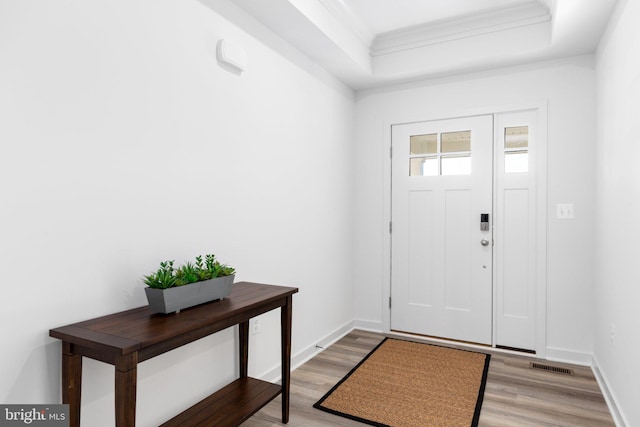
127 338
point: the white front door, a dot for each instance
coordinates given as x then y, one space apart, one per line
441 261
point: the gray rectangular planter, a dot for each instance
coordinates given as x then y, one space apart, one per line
179 297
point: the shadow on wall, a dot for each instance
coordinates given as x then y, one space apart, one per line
32 385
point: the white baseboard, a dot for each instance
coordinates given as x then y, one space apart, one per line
609 397
301 357
569 356
368 325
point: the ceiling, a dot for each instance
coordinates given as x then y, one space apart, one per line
368 43
382 16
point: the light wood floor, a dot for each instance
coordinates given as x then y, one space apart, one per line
515 395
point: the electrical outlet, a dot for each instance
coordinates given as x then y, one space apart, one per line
255 326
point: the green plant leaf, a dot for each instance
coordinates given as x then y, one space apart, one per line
168 276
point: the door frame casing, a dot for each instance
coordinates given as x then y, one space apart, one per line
541 206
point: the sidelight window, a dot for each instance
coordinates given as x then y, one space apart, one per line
516 149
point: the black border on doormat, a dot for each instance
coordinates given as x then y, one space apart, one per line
476 413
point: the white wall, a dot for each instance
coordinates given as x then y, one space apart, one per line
568 89
124 143
617 287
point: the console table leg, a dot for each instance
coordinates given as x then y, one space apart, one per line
126 385
243 329
71 382
285 329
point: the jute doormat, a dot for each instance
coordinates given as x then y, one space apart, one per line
408 384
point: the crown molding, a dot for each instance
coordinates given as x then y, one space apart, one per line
471 25
349 20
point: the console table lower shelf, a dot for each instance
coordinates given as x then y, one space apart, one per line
133 336
238 402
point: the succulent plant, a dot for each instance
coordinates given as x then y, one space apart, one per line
168 276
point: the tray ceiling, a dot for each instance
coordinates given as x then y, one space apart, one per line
368 43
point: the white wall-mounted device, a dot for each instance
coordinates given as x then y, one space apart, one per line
231 55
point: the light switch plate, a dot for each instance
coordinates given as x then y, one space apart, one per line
564 211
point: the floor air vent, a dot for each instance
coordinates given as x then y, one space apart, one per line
549 368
